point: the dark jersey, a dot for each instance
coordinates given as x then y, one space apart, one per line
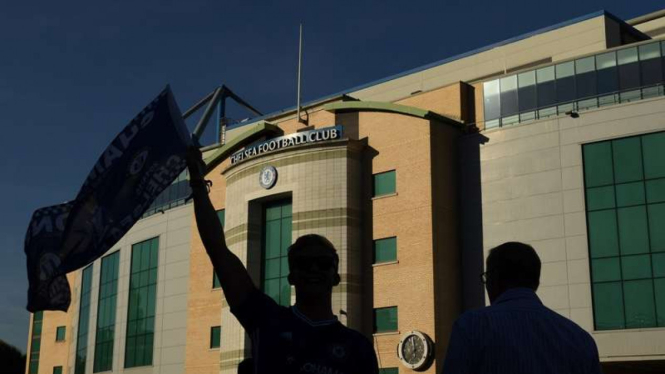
284 341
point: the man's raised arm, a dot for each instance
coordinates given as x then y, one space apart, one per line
232 274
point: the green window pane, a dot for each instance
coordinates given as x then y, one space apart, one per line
287 211
608 306
639 300
633 231
658 260
385 183
603 234
630 194
627 160
656 225
272 268
272 239
285 235
84 321
215 281
60 333
385 250
598 164
654 155
221 214
656 191
636 267
284 292
600 198
57 370
285 265
606 269
215 336
385 319
273 213
389 371
659 288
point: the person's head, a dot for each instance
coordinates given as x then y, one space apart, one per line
313 264
511 265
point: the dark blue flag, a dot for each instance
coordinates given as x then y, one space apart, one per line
137 166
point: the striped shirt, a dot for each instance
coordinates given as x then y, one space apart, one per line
518 334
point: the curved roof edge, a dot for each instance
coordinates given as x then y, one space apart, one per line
379 106
253 132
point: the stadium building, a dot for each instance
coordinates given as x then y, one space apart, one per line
555 138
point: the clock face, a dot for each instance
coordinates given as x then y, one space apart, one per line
413 349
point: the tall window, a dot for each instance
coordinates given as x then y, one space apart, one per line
276 241
84 322
385 183
385 250
215 336
60 333
385 319
57 370
35 342
108 295
625 204
222 219
142 297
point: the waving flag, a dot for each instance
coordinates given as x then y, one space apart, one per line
137 166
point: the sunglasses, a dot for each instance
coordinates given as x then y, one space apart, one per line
322 263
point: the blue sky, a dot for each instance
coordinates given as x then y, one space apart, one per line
73 73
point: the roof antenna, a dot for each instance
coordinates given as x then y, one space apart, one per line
300 120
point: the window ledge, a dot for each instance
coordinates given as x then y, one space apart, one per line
621 331
214 349
386 333
386 263
384 196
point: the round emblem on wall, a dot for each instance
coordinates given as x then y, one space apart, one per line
415 350
268 177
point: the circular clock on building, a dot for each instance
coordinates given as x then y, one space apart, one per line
415 350
268 177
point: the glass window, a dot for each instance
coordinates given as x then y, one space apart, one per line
106 313
60 333
639 300
654 155
385 183
491 101
633 233
626 278
509 96
221 214
277 236
526 91
606 269
630 194
141 308
656 224
651 66
585 78
57 370
215 336
35 342
84 321
565 82
385 319
598 169
215 281
598 198
385 250
636 267
606 73
546 87
608 306
627 157
629 69
603 233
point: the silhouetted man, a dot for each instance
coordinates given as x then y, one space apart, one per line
517 334
306 338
